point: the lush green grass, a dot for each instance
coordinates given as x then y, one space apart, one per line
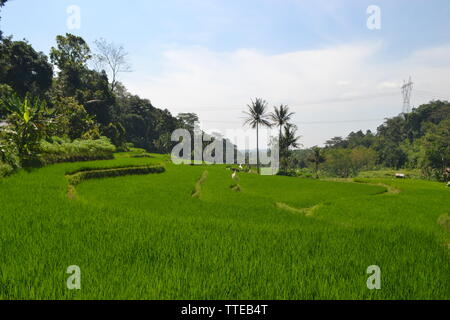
146 237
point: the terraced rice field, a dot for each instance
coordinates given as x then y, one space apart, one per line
185 233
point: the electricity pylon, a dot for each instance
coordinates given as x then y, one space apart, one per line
406 92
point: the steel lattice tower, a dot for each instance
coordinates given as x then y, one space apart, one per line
406 92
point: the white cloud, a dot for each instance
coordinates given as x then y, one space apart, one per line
390 85
340 83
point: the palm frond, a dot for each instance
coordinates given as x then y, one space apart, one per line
281 116
257 113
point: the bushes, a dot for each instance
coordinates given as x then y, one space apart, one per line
436 145
54 151
73 120
344 163
5 169
28 121
305 173
81 176
287 173
386 173
62 150
298 173
9 160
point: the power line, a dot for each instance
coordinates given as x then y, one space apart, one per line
341 121
406 93
309 103
434 94
301 123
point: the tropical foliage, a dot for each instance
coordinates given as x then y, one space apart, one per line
77 103
28 121
257 117
418 140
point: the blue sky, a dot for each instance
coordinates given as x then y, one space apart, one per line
206 56
273 26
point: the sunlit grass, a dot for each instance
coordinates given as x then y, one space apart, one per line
146 237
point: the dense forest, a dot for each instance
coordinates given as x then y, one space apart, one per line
61 104
416 140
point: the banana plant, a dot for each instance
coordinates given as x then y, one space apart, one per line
27 123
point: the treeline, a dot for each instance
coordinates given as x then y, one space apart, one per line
417 140
82 100
73 94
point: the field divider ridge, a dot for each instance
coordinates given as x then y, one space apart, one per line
196 193
77 177
307 212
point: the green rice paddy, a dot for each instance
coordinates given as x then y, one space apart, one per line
148 237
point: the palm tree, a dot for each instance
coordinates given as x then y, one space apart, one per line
257 115
317 158
281 117
290 139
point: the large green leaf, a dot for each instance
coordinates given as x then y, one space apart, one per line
26 114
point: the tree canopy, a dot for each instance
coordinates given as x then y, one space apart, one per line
24 69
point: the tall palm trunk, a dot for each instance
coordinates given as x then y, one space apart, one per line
256 116
279 147
257 149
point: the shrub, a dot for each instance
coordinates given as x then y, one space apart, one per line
346 163
5 169
338 162
72 119
28 120
8 154
141 156
81 176
63 150
299 173
9 160
287 173
305 173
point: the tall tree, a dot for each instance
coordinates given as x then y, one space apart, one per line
316 157
288 140
281 117
24 69
257 116
437 149
112 58
189 120
336 142
90 88
70 56
2 3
